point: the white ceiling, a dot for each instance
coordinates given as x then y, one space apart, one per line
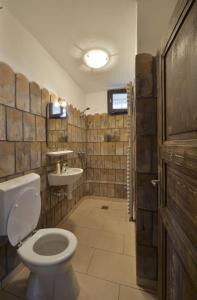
66 28
153 19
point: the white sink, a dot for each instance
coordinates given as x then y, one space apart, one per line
70 176
59 153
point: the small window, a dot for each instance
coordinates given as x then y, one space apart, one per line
117 101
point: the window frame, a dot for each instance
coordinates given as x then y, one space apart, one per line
111 110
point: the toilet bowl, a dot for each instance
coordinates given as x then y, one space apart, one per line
46 252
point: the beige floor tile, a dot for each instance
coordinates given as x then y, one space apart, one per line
119 227
113 267
104 236
96 289
97 238
82 258
83 210
127 293
90 221
111 213
7 296
129 245
18 284
98 201
108 241
91 202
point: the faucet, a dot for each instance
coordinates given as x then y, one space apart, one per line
64 166
58 167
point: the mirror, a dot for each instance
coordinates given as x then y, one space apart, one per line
56 111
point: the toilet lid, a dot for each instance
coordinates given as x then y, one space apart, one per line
24 215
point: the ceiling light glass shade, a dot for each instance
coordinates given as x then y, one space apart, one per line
96 58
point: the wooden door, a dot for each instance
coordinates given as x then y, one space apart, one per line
177 122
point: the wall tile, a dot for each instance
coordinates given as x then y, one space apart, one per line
111 148
104 121
144 75
40 129
53 98
125 120
35 155
119 121
7 159
146 117
112 122
22 92
29 127
27 155
97 148
14 125
35 98
119 148
58 124
104 135
2 123
7 85
123 135
144 154
104 148
22 157
45 99
119 176
44 150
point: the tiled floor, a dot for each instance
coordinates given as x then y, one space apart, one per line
105 259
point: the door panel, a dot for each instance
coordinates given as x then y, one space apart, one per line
177 123
181 79
178 285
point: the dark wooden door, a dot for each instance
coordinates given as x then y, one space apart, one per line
177 122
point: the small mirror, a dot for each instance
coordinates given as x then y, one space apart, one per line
56 111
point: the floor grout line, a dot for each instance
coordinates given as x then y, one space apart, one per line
91 260
110 281
96 229
106 250
119 292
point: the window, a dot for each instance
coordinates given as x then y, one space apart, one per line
117 101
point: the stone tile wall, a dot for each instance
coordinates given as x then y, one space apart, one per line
107 142
146 170
23 147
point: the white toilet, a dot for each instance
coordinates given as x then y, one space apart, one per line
46 252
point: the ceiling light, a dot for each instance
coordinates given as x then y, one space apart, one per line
96 58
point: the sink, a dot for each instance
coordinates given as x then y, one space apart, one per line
59 153
70 176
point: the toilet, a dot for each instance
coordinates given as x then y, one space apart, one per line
47 252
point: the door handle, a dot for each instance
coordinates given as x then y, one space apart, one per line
155 182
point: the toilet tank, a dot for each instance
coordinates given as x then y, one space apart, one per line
10 191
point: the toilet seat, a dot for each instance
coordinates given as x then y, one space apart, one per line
28 254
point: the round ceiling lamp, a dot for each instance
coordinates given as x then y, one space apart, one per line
96 58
